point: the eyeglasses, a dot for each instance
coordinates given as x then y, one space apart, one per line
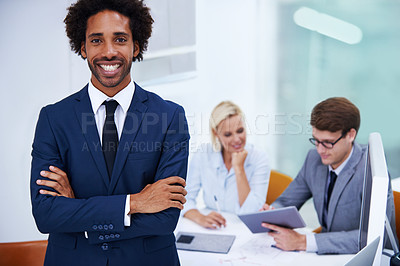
326 144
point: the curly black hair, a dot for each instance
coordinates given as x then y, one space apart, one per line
138 13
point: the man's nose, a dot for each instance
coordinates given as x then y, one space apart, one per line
320 147
109 50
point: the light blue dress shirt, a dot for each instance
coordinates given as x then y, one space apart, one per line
207 171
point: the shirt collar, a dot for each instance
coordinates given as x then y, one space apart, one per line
340 168
123 97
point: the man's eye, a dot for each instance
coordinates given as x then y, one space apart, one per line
121 40
227 134
95 41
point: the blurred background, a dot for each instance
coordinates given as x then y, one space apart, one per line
275 58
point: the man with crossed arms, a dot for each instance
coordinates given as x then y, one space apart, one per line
109 162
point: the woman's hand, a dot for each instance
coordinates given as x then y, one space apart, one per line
238 159
213 220
266 207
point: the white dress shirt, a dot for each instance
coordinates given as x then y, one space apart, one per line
124 99
311 243
208 171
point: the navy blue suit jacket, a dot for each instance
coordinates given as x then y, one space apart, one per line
153 146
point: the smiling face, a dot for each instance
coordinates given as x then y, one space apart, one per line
109 49
340 151
232 134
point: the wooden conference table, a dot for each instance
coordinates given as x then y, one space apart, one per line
249 249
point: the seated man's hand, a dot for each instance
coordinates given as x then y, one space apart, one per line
163 194
58 181
286 239
266 207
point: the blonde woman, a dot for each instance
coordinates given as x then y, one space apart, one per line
233 175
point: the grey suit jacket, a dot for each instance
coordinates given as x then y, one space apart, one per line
341 232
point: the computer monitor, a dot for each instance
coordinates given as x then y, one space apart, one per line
375 189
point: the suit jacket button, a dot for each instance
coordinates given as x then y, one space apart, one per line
94 227
117 235
101 237
107 237
112 235
104 247
100 227
105 227
110 226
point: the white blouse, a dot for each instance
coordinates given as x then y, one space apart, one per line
208 171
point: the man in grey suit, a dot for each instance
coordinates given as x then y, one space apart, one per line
332 175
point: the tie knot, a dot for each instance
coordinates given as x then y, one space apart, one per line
110 107
333 175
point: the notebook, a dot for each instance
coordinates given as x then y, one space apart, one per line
213 243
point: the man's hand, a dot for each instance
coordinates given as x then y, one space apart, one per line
58 181
266 207
161 195
286 239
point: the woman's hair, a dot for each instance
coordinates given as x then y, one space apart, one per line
138 14
335 114
221 112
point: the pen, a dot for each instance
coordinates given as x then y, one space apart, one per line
216 203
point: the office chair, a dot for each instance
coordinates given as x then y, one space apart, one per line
23 253
396 196
278 182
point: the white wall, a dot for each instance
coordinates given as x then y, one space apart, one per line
236 43
236 61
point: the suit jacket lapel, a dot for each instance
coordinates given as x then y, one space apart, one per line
133 121
320 184
342 180
85 116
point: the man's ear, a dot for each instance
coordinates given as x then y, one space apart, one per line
352 134
136 49
83 50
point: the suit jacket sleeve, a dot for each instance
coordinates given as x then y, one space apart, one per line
60 214
345 242
297 193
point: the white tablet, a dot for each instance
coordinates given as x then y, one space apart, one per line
288 217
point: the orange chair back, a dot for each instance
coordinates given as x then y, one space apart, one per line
396 196
278 182
23 253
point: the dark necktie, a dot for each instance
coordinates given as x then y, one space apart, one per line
110 136
330 187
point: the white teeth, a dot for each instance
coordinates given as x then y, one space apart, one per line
109 67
